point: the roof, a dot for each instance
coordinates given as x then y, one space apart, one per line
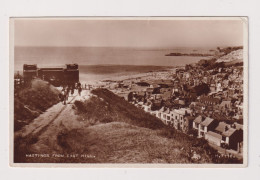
180 111
229 132
238 126
219 117
162 109
223 103
213 134
207 121
198 119
221 127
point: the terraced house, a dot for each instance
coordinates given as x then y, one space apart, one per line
208 124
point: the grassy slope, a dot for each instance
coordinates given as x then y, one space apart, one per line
33 100
119 142
107 129
115 131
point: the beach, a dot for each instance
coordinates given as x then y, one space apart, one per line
107 78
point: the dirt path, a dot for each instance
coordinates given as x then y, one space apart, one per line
41 135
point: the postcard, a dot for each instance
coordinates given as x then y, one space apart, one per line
128 91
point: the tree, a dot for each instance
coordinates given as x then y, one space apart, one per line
202 89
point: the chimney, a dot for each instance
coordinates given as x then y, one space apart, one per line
226 128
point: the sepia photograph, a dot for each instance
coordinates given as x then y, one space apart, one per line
134 91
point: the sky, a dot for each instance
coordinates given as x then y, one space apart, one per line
127 33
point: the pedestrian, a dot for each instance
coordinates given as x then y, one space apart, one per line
79 90
67 92
63 95
79 84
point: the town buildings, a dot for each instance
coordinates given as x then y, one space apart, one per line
207 102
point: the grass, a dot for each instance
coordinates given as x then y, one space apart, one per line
119 142
107 129
113 126
32 100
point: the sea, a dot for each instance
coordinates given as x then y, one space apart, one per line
98 63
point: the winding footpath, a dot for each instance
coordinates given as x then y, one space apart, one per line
41 134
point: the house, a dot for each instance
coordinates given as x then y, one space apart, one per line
209 101
237 126
233 138
166 117
214 138
159 113
178 115
225 134
186 123
147 107
212 88
197 106
197 121
208 124
222 127
225 105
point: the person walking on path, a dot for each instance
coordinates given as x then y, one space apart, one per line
79 85
72 90
63 96
67 92
79 90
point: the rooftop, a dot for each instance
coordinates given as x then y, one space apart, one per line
198 119
221 127
216 135
207 121
229 132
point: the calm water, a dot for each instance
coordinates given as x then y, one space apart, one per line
143 60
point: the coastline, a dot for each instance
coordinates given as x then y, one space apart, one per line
99 82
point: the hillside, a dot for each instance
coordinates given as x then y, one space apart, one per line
234 56
120 132
230 57
32 100
118 142
101 127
